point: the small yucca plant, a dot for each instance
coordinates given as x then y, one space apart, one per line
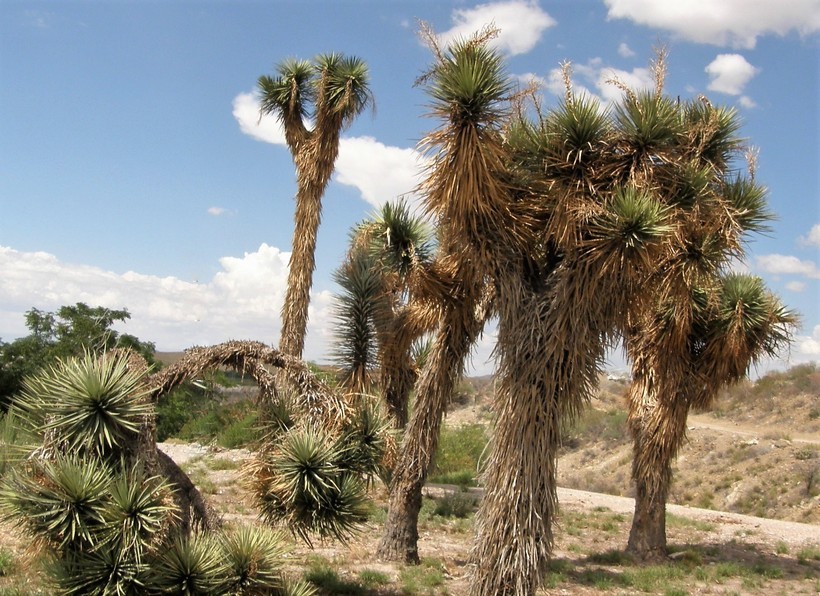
87 404
304 485
140 512
61 501
189 567
364 440
252 557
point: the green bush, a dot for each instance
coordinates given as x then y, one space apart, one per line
455 504
459 456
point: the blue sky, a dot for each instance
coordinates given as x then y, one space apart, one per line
135 171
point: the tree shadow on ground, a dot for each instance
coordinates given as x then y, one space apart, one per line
750 566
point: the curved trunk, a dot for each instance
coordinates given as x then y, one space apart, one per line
314 167
658 427
457 333
195 513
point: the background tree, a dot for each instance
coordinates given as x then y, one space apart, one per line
377 319
331 91
689 306
558 298
729 331
70 331
461 194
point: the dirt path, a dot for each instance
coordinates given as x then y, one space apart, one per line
727 525
703 421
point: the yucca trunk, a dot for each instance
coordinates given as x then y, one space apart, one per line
398 372
456 335
397 379
658 426
314 169
549 347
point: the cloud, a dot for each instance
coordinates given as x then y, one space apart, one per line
242 300
796 286
747 102
625 51
521 24
217 211
732 23
809 345
379 172
729 73
775 264
813 239
266 128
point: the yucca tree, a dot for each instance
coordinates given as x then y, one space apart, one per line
84 493
687 153
462 194
558 299
732 326
320 449
110 526
377 320
331 91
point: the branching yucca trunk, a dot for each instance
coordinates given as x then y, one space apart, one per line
456 334
549 349
314 168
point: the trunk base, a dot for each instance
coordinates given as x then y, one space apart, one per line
401 536
647 537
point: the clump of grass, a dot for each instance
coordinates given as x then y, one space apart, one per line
653 577
322 575
677 521
422 578
7 564
808 553
610 557
216 464
372 579
455 504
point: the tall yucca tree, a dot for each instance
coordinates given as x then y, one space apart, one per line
732 326
557 301
684 151
331 91
377 324
463 194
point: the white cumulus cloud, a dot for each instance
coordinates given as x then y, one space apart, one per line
733 23
809 345
243 300
813 237
521 24
380 172
776 264
625 51
265 128
730 73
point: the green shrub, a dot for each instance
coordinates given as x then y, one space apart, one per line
455 504
459 456
6 562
